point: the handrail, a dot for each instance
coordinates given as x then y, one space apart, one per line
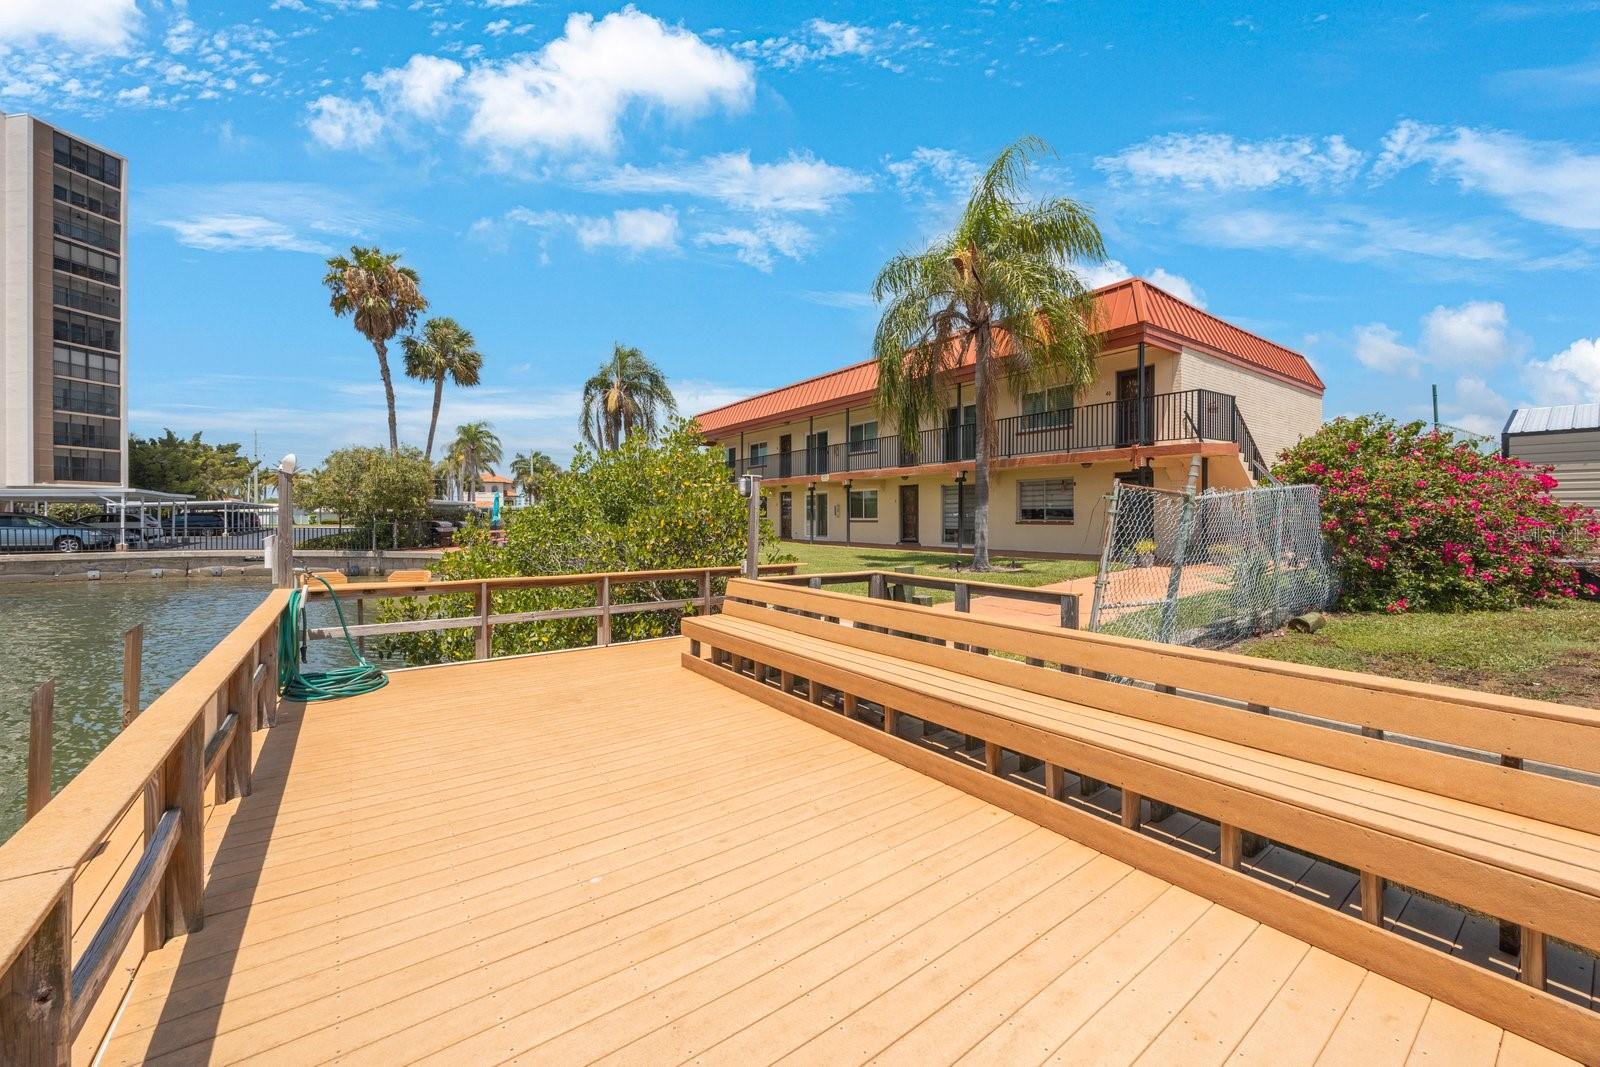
881 585
1186 415
46 997
484 619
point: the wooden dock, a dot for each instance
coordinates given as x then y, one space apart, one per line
597 855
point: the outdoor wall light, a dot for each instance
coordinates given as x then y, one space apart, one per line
287 464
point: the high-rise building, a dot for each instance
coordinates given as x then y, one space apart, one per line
63 369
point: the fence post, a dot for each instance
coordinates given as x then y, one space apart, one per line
36 993
877 587
603 624
283 547
705 591
1169 611
484 599
240 755
41 746
184 883
1104 575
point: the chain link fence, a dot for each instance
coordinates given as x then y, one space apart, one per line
1213 568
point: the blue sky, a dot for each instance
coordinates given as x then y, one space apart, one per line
1408 194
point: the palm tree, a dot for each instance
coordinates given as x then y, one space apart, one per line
627 395
384 298
1003 278
444 349
475 450
532 471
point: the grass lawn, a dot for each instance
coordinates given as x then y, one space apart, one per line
825 559
1542 653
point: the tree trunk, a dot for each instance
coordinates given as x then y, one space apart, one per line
980 461
433 423
388 392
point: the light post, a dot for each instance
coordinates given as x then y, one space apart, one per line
750 489
847 484
961 510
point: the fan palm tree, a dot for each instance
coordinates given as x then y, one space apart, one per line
532 471
627 395
444 349
383 298
1003 278
475 451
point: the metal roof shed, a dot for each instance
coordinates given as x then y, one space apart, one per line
1566 437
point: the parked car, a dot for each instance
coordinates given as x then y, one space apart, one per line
46 534
111 523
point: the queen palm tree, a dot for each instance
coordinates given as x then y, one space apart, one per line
383 298
475 450
999 291
532 472
444 349
627 395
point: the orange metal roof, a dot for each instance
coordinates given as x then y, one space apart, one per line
1125 310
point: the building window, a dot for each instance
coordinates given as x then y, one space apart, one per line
80 329
76 465
88 366
86 398
86 296
864 437
1048 408
75 155
1047 500
90 229
758 455
961 508
83 431
730 456
85 263
864 504
91 196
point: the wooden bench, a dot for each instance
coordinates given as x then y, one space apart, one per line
1323 762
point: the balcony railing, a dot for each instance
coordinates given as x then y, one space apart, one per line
1190 415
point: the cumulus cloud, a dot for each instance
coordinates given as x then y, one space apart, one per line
88 25
1379 348
1096 275
422 87
572 95
1544 181
934 172
1220 162
1571 376
339 123
799 183
633 231
760 244
1471 339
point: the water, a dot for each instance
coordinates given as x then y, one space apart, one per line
72 632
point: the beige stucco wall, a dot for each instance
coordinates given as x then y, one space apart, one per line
1575 456
1278 414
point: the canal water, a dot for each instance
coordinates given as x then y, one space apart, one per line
72 632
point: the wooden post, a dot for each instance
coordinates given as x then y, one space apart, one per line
847 704
963 604
1372 898
283 546
1533 958
1231 847
1131 809
891 721
705 592
240 752
132 667
185 880
1055 782
36 994
41 746
877 588
1088 787
1069 612
603 626
361 617
992 755
484 598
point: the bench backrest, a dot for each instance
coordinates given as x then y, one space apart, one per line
1212 685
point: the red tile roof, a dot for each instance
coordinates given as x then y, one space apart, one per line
1126 310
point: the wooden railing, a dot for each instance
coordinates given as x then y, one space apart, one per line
484 619
897 585
154 773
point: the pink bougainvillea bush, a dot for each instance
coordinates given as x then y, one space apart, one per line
1419 521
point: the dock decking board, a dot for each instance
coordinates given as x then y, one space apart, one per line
599 855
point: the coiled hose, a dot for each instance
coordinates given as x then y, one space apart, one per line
307 686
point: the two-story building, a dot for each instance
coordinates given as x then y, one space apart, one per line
1174 382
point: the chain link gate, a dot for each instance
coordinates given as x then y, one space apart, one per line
1210 569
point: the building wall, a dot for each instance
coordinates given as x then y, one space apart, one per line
1575 455
16 317
1277 413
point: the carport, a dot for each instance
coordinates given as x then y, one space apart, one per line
37 498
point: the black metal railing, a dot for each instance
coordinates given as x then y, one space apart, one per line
1190 415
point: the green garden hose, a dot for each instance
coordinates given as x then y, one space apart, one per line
308 686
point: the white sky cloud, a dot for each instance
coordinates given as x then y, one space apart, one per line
1545 181
934 172
571 96
1095 275
90 25
1571 376
1221 162
422 87
266 216
759 244
1473 338
1379 347
339 123
816 41
634 231
799 183
242 233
